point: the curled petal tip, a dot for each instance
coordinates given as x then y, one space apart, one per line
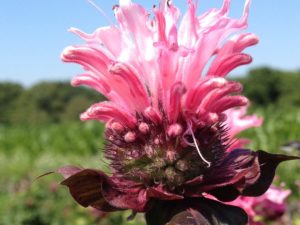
84 116
218 82
75 82
73 29
254 38
66 53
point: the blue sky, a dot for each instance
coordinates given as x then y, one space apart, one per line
34 32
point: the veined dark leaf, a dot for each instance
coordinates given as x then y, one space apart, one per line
268 163
258 171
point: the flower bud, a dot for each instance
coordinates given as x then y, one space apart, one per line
130 137
144 128
116 126
174 130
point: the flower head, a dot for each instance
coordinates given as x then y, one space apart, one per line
166 109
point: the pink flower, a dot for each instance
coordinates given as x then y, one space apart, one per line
150 67
166 112
268 207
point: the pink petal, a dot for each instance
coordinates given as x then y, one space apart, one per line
106 111
228 102
135 85
228 63
216 26
133 19
215 95
174 108
187 33
237 121
195 95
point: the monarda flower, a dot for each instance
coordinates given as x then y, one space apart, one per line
166 111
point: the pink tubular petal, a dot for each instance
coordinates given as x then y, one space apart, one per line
246 12
110 37
176 93
215 95
86 37
225 8
187 32
137 89
99 64
88 57
161 26
229 56
153 115
173 44
106 111
229 63
169 16
227 103
237 121
93 82
133 19
96 63
243 41
167 72
202 89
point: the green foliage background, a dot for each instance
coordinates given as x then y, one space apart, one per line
40 131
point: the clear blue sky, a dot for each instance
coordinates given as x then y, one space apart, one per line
34 32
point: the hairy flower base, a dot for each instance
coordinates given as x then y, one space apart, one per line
242 173
156 153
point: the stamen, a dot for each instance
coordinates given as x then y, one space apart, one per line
198 150
101 11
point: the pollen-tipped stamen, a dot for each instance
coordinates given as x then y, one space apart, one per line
198 149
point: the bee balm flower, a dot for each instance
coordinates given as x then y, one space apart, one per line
167 140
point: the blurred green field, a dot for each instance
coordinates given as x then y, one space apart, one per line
29 151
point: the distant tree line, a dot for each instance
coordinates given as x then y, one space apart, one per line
265 86
46 102
55 102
